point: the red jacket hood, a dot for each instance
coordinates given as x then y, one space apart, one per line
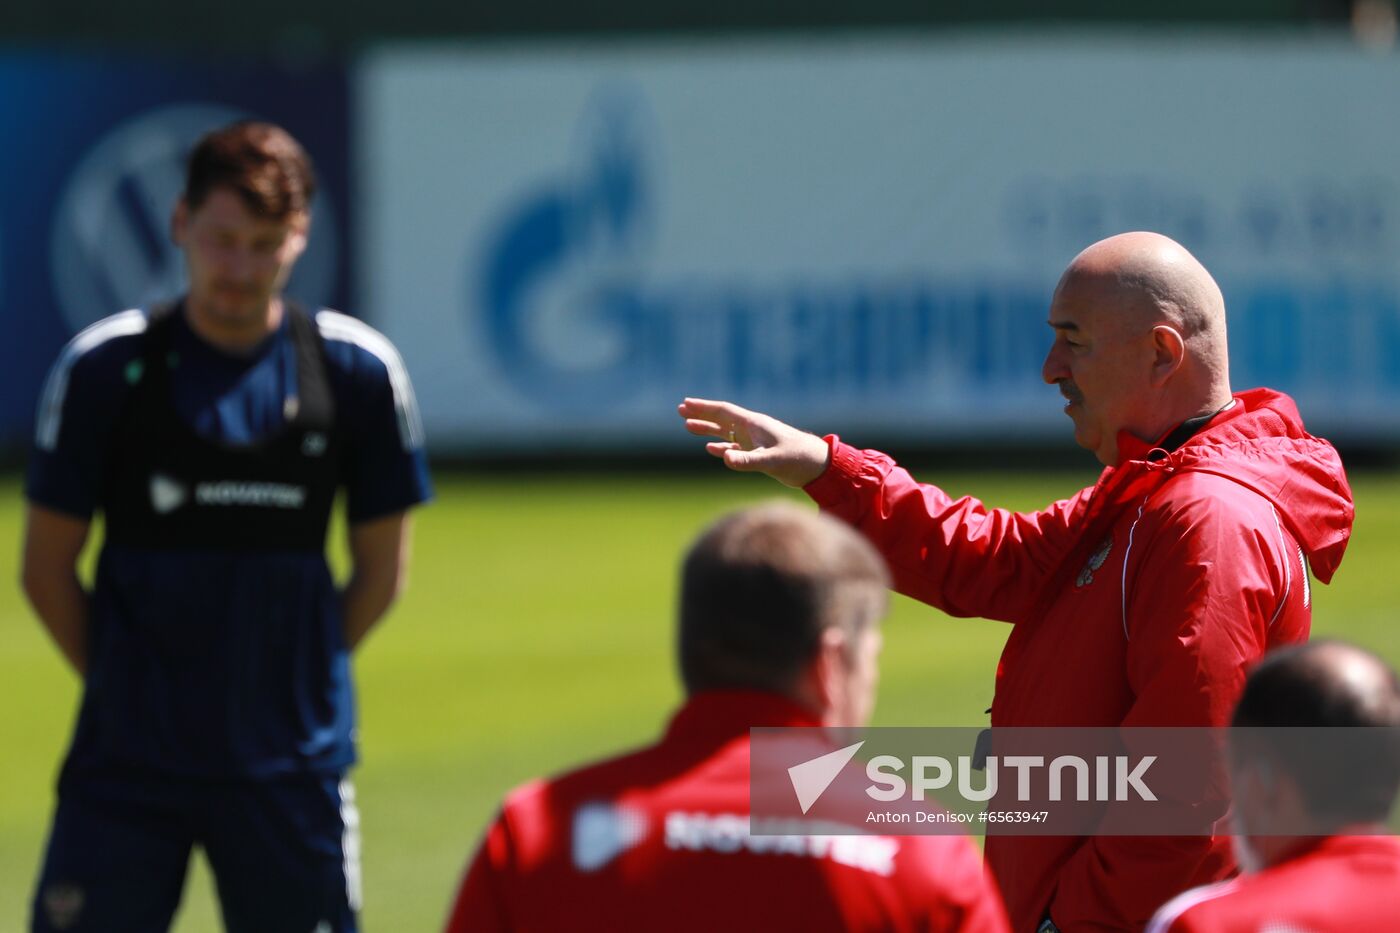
1261 444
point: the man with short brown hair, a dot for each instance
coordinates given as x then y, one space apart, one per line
213 435
780 612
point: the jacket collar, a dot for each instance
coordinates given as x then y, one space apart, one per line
1260 443
726 714
1131 448
1362 840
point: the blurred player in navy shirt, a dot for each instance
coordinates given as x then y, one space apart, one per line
213 434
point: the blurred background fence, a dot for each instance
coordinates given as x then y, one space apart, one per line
569 217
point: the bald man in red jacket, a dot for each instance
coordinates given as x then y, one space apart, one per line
1139 601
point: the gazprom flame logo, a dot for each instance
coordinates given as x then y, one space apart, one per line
558 278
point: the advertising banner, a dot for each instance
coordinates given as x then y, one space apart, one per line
92 176
860 235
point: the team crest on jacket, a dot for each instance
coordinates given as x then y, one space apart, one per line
1086 576
602 832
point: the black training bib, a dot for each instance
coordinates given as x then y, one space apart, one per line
167 487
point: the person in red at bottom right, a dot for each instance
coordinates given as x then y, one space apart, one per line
779 626
1345 876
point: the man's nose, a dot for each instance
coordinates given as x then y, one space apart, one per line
1054 368
239 264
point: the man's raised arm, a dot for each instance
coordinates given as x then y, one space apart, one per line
955 554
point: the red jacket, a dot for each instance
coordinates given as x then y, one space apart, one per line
1343 884
658 840
1140 601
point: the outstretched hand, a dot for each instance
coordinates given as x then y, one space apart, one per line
751 442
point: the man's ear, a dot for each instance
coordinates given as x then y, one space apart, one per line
1256 784
830 671
1289 801
1272 791
179 222
300 224
1168 353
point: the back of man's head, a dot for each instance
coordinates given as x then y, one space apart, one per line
761 587
1342 777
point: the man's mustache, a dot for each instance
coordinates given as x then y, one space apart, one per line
1071 391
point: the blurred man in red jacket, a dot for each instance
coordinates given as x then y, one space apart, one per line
779 626
1139 601
1344 876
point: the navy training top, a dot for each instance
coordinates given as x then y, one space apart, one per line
209 661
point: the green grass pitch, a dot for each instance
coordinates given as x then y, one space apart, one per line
536 634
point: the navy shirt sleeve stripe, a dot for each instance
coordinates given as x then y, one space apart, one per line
50 415
342 327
